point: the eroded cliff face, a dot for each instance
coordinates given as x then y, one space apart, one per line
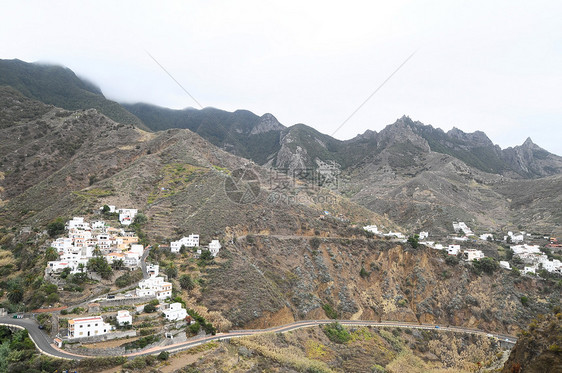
365 279
539 347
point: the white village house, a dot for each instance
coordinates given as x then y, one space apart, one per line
127 216
124 318
453 249
371 228
458 226
473 254
154 286
175 312
190 241
87 327
504 264
214 247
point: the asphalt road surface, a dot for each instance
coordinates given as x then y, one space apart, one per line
45 344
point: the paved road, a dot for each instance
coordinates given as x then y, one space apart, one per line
44 343
143 261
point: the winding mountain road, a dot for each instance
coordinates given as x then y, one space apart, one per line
46 346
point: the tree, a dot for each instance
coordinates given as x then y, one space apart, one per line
315 243
206 255
15 296
100 265
363 273
55 227
414 241
140 218
186 282
486 265
172 271
51 254
105 209
149 308
451 260
118 264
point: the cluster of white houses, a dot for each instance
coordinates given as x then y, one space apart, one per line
535 259
375 230
84 238
192 241
126 216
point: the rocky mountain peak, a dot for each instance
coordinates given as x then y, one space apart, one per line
267 122
401 132
477 138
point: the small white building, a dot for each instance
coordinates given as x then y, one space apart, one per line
77 223
504 264
99 225
190 241
532 270
175 312
214 247
515 238
124 318
371 228
423 235
486 236
473 254
453 249
398 235
87 327
154 286
153 270
127 216
462 226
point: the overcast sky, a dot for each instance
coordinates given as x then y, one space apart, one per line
487 65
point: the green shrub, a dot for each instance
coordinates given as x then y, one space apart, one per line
330 311
337 333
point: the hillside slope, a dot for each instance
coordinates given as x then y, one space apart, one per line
59 86
539 347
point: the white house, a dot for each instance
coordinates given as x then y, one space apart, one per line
127 216
154 286
423 235
462 226
529 270
138 249
190 241
552 265
395 234
504 264
78 223
214 247
473 254
515 238
175 312
486 236
87 327
371 228
152 269
453 249
124 318
62 243
100 225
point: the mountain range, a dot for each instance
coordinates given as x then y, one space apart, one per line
294 250
417 175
